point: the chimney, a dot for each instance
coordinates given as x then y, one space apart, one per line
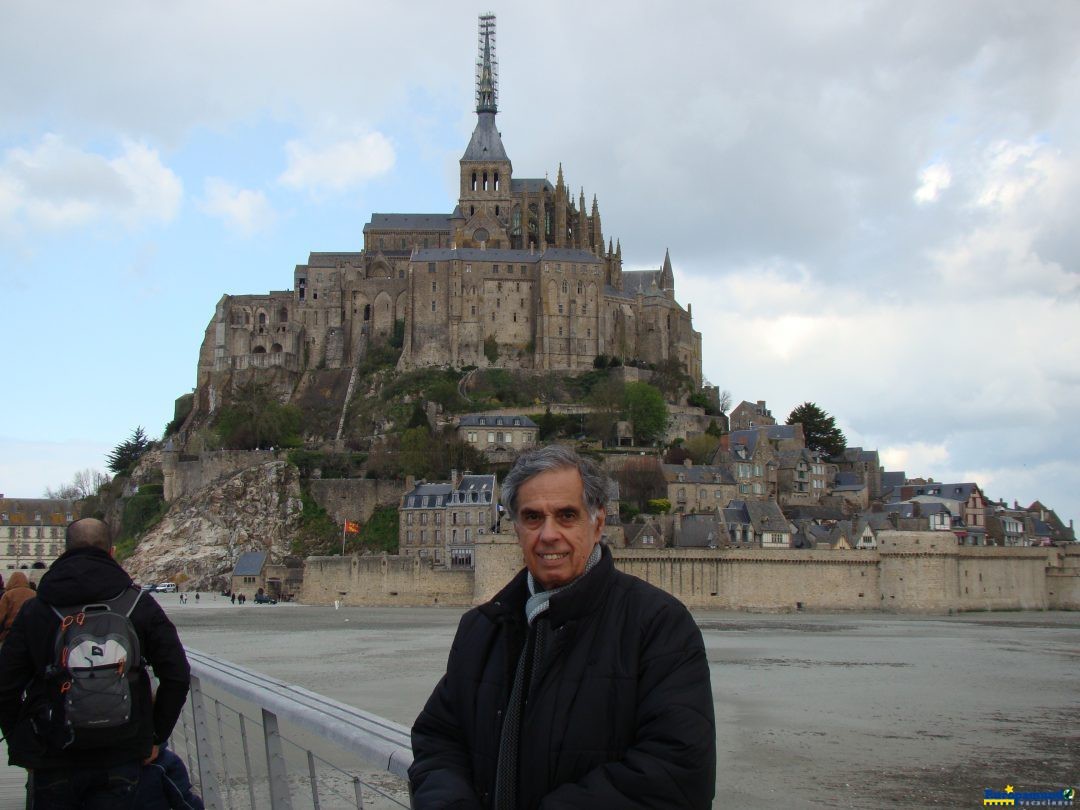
454 478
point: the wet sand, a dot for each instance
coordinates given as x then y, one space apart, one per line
838 710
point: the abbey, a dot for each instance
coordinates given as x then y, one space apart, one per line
516 276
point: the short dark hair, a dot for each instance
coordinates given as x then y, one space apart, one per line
556 457
88 533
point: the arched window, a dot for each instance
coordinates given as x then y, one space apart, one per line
262 319
276 348
474 181
496 186
367 312
485 181
259 350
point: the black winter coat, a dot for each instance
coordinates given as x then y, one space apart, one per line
621 716
82 576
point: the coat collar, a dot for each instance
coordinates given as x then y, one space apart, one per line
580 600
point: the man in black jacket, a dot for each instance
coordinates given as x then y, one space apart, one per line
576 686
103 776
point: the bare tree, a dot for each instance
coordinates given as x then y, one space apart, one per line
83 484
641 479
725 401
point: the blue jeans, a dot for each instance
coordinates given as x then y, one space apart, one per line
83 788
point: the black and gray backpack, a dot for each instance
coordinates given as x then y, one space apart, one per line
97 662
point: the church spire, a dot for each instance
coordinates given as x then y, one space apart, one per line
487 68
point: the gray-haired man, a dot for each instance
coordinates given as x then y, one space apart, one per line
577 685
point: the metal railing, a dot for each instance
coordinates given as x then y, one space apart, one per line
252 741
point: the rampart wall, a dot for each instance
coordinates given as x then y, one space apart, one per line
185 477
354 498
383 581
910 572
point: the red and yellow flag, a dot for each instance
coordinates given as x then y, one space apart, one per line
351 527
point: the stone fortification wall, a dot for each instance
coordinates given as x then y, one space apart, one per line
497 558
1063 579
383 581
185 477
911 572
354 498
926 572
765 579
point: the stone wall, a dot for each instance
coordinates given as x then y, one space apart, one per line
383 581
766 580
911 572
354 498
185 477
1063 580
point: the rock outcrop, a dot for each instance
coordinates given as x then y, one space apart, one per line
200 538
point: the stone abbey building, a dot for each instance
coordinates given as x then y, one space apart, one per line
517 276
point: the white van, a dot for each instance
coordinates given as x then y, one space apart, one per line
167 587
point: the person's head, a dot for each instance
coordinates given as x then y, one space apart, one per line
556 500
88 533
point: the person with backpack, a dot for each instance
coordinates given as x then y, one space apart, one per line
76 707
18 592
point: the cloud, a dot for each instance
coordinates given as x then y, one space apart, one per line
54 186
242 210
934 179
337 166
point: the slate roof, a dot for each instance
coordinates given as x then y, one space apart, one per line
20 511
853 454
482 420
409 222
250 564
486 142
427 496
646 282
505 255
531 185
701 531
954 492
331 259
847 482
698 474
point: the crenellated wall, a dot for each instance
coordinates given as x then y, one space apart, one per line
383 581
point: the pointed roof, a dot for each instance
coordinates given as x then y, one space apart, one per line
486 142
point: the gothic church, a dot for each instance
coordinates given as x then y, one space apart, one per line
516 276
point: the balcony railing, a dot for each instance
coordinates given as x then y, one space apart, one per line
251 741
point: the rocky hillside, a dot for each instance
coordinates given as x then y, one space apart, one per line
202 535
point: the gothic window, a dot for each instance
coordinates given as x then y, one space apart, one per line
367 312
485 181
474 181
496 207
262 319
560 309
580 288
565 287
496 187
434 286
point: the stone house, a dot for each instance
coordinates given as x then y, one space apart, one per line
32 531
699 488
249 573
646 534
705 530
801 477
756 524
865 465
748 415
498 437
751 459
441 521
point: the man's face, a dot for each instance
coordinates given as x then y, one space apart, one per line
554 527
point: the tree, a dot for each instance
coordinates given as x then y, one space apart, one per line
84 484
641 479
725 401
255 419
701 449
671 378
126 455
819 429
645 408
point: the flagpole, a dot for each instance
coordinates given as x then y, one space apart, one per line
343 538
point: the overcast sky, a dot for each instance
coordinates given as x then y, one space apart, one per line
870 205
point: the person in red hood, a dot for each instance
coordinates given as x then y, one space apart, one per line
18 591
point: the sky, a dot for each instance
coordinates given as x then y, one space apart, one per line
869 205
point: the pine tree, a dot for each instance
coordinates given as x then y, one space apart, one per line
819 429
125 456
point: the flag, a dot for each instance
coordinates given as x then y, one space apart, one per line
352 528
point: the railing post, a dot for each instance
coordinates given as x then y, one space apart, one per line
204 751
314 780
224 758
276 770
247 764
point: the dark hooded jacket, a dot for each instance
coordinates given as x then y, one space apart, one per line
620 715
83 576
17 593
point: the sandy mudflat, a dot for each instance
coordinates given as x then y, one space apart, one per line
860 710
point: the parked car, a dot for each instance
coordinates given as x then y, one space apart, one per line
149 588
166 587
264 599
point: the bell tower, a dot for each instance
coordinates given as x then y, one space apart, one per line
485 169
